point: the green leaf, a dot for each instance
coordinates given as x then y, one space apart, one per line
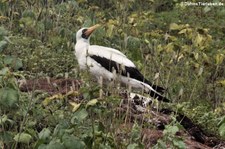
55 144
60 130
44 134
3 32
221 125
79 115
18 64
3 45
160 145
91 103
4 71
183 31
42 146
72 142
8 60
4 118
13 62
174 26
222 130
179 143
23 137
219 59
86 95
200 71
75 106
170 130
222 119
198 40
132 146
8 97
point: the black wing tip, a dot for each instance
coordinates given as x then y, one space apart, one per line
159 89
158 96
161 98
164 99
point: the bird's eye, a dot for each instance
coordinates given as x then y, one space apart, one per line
83 34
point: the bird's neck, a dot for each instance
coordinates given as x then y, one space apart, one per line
81 47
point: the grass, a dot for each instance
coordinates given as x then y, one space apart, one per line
39 38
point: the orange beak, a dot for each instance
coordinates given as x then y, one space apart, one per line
91 29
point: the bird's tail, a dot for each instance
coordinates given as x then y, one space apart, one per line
159 89
156 91
158 96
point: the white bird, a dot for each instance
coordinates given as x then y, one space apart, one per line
110 64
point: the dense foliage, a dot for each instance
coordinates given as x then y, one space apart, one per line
178 47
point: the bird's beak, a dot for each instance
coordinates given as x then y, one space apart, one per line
91 29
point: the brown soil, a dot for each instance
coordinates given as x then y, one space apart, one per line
50 85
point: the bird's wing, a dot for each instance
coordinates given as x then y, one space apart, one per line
107 55
112 59
102 48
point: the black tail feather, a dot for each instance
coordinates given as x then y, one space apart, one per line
159 89
158 96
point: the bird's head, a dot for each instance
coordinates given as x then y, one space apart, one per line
85 33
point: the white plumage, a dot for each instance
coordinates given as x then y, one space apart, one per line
110 64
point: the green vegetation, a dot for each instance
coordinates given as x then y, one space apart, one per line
179 47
